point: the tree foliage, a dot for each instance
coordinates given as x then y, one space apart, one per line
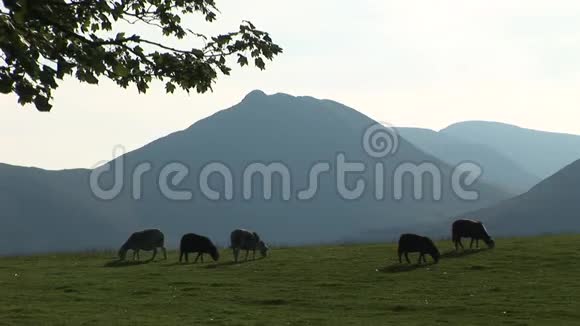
42 41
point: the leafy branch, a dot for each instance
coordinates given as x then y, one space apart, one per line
42 41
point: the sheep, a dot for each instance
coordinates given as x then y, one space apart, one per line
144 240
470 229
247 240
416 243
192 243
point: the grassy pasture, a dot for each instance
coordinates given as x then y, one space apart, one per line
524 281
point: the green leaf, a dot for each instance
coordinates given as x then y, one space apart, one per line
42 103
169 87
242 60
6 85
121 70
260 63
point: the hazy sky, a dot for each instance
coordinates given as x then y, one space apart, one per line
411 63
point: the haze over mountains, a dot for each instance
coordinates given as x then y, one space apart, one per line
498 169
296 131
539 152
552 206
56 210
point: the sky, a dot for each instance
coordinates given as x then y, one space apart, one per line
410 63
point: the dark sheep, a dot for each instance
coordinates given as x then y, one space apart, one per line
470 229
144 240
192 243
247 240
416 243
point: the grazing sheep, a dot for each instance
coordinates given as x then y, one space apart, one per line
247 240
144 240
192 243
470 229
416 243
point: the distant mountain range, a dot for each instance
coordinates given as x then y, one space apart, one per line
498 169
538 152
552 206
57 210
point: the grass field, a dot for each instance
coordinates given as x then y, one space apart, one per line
527 281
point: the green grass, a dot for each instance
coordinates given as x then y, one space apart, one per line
528 281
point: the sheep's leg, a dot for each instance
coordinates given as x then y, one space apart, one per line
236 253
202 257
164 253
407 258
400 257
471 244
420 258
458 244
180 256
197 257
154 254
247 253
477 243
187 257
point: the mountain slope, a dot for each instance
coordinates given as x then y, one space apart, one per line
53 211
297 132
552 206
294 132
541 153
497 168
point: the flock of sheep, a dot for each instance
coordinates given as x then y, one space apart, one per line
250 241
154 239
460 229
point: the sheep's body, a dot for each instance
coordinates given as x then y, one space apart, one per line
194 243
147 240
470 229
247 240
409 243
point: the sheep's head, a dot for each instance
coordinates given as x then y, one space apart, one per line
263 248
434 252
490 243
215 254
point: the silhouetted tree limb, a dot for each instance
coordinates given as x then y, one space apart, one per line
42 41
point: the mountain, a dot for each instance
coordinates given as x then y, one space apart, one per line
497 168
539 152
42 210
53 210
552 206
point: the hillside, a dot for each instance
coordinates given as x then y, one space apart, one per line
61 212
539 152
54 210
521 282
297 132
497 168
552 206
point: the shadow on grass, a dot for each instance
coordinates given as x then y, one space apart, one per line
462 253
126 263
184 264
231 263
403 268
